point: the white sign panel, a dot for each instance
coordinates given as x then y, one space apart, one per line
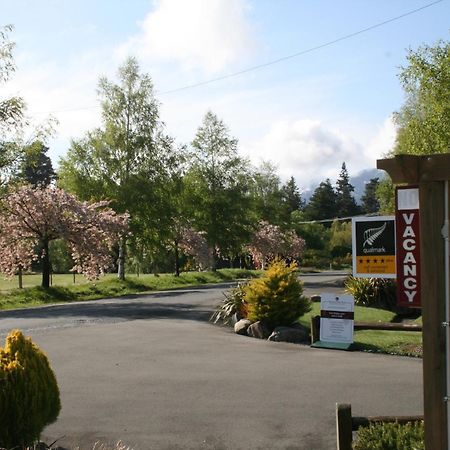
337 318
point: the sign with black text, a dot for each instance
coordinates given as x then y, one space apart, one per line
408 246
373 245
336 318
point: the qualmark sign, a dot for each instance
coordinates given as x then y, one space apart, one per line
408 246
374 247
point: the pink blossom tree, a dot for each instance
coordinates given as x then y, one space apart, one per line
194 244
269 241
32 217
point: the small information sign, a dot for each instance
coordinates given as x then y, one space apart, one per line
373 247
336 318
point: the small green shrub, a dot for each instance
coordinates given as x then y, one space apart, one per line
373 292
390 436
29 394
233 303
276 298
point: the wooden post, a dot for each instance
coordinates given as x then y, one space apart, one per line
430 173
315 329
344 426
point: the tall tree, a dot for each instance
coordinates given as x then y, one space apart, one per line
424 119
218 188
267 195
12 109
323 203
32 218
129 159
369 201
346 204
292 199
36 167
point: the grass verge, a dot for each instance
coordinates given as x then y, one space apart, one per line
112 287
405 343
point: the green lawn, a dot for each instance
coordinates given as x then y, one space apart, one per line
63 290
408 343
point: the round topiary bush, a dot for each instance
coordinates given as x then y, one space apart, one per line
276 298
29 394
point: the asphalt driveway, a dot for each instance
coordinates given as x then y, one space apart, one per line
154 373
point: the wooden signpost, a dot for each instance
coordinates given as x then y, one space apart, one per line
431 174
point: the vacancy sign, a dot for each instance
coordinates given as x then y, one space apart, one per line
336 319
373 247
408 246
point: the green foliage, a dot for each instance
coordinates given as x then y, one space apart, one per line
276 298
390 436
232 304
424 120
345 202
341 238
323 203
36 167
29 394
373 292
369 201
386 196
315 235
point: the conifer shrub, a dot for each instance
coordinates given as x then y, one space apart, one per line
390 436
29 394
276 298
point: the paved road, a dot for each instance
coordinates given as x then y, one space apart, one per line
154 373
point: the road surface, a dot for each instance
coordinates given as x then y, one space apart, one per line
152 371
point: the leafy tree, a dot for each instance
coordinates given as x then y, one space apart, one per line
129 160
424 119
323 202
36 167
12 109
386 196
217 185
345 202
341 238
316 235
31 218
269 242
369 201
267 195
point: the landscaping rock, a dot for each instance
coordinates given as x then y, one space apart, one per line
315 298
295 335
241 326
259 330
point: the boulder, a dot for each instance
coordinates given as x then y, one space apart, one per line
259 330
315 298
240 327
295 335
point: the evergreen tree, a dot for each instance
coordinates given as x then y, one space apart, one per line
292 199
369 201
346 204
323 203
36 167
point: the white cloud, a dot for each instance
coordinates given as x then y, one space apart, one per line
198 34
311 151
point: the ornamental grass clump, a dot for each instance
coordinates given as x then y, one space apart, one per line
29 394
373 292
276 298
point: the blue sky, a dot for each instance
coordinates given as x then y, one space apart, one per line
306 114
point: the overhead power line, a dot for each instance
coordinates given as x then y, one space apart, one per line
272 62
302 52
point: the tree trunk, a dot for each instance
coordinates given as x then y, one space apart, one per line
177 260
45 265
20 278
121 260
